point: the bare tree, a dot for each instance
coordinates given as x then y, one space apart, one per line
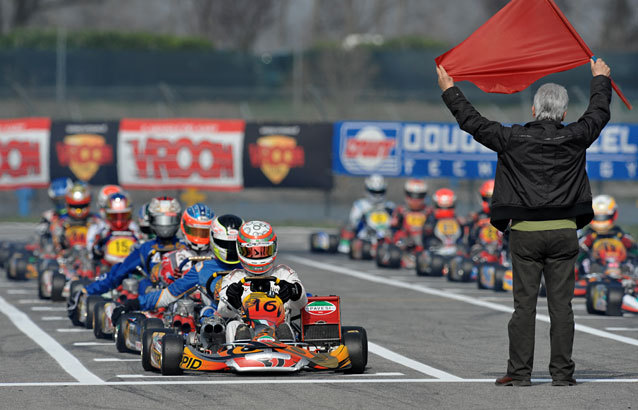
234 23
25 10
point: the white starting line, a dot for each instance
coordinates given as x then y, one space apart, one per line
73 330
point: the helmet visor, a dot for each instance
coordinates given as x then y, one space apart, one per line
229 246
193 232
603 217
78 211
415 195
257 251
165 220
118 219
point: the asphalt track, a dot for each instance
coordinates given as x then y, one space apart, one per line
433 344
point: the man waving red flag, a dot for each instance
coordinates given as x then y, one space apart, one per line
524 41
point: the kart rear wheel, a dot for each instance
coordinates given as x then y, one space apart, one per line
99 318
422 264
615 294
57 286
122 329
172 349
91 301
18 266
355 339
147 340
499 275
589 299
42 277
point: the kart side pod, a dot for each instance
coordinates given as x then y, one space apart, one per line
321 320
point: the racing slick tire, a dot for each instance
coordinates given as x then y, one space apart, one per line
91 301
57 286
18 266
99 316
422 264
389 256
613 293
172 349
120 331
356 341
455 270
147 339
317 238
499 276
42 285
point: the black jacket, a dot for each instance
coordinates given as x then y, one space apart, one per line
540 173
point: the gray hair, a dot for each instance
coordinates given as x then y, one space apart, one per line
550 102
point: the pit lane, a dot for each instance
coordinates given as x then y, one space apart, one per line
450 340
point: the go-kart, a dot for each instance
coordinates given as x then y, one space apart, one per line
324 242
402 248
266 342
612 289
373 228
72 265
445 253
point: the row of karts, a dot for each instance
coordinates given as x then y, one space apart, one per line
609 284
189 335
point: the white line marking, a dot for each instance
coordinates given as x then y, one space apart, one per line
19 291
622 329
32 301
69 363
597 317
114 359
73 330
48 309
449 295
412 364
93 343
51 318
148 376
247 381
376 374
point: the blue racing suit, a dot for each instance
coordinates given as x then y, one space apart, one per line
138 257
199 274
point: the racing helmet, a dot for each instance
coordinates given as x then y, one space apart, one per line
195 226
486 190
143 221
415 191
224 232
118 211
105 192
257 247
376 187
164 216
605 213
58 188
78 201
444 203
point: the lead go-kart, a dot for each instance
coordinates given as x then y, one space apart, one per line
267 343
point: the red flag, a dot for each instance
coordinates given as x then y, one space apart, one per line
524 41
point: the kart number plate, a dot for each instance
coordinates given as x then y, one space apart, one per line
415 219
119 247
379 218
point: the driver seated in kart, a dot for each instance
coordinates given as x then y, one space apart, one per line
57 191
200 275
102 202
119 234
603 229
408 220
257 249
444 211
376 187
164 216
485 241
71 229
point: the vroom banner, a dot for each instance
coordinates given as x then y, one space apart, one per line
24 153
288 155
180 153
84 151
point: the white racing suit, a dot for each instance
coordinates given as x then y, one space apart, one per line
282 272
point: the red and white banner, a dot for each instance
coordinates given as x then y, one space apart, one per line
24 153
180 153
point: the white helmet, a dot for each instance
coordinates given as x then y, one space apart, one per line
376 187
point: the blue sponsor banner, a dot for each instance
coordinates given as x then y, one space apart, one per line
443 150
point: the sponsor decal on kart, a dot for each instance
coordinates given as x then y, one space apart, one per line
190 362
266 338
320 308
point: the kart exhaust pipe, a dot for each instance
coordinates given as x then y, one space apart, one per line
211 328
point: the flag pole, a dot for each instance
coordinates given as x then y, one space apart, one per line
583 45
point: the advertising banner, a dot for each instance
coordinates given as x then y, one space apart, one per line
288 155
180 153
443 150
24 153
84 151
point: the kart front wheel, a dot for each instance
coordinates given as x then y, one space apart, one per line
172 349
356 341
147 341
57 287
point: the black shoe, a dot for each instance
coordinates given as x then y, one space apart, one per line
568 382
508 381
